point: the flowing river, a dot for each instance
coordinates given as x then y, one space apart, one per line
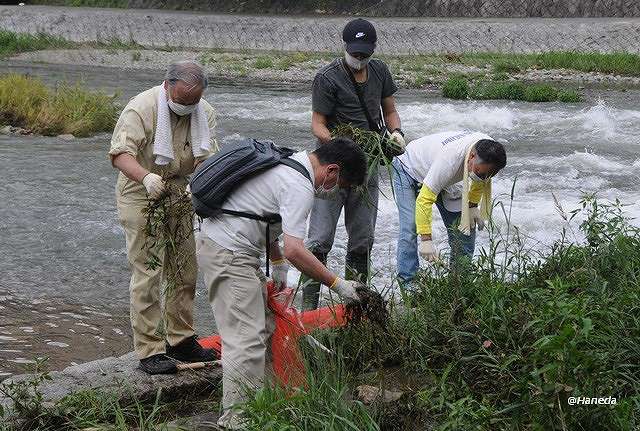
64 275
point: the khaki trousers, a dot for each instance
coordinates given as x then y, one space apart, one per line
238 296
146 286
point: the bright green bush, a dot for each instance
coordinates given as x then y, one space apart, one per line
456 88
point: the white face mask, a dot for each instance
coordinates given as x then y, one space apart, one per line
354 63
328 194
181 110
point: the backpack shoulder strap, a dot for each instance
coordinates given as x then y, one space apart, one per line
372 124
294 164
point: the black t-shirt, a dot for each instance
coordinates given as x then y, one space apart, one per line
334 96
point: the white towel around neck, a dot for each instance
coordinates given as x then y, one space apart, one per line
485 200
163 140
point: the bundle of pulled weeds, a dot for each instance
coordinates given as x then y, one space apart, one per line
168 226
371 307
379 149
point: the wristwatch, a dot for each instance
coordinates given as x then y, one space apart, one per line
399 130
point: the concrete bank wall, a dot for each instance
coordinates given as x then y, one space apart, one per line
153 28
390 8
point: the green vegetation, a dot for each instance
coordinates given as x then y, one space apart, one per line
263 62
501 345
615 63
27 102
459 88
86 410
12 43
85 3
324 404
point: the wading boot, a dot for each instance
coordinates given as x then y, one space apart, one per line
357 267
311 288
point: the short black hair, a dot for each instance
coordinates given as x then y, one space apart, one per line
492 152
346 154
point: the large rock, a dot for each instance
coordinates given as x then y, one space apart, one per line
121 375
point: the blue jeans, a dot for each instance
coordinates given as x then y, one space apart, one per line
406 191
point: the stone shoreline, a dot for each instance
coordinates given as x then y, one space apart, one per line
239 68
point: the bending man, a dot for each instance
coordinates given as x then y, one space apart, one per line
452 170
230 248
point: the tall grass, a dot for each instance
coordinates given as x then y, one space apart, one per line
620 63
503 344
326 403
459 88
12 43
27 102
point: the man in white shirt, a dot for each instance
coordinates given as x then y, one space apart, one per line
454 171
230 247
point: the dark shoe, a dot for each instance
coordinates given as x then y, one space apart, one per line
158 364
189 350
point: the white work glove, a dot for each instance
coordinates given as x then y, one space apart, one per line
399 140
476 219
154 185
279 271
347 289
428 251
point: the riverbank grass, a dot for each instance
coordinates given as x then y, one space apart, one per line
13 43
460 89
28 103
501 344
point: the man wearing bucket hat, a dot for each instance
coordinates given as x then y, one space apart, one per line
358 90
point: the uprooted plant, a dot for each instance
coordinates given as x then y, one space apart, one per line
167 230
379 149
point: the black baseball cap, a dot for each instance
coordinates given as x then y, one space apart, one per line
360 36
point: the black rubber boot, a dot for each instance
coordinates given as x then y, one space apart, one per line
189 350
158 364
311 289
357 267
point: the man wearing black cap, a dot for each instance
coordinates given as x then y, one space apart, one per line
342 91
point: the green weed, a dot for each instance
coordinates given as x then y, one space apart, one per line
456 88
263 62
28 103
509 340
13 43
459 88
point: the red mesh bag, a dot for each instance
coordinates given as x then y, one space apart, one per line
288 365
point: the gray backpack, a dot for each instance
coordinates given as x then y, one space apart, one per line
215 179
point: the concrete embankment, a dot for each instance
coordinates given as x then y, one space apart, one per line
154 28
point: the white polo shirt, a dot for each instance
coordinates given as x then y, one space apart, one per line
280 190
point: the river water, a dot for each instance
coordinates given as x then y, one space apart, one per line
64 284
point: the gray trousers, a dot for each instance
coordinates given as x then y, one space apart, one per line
360 213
